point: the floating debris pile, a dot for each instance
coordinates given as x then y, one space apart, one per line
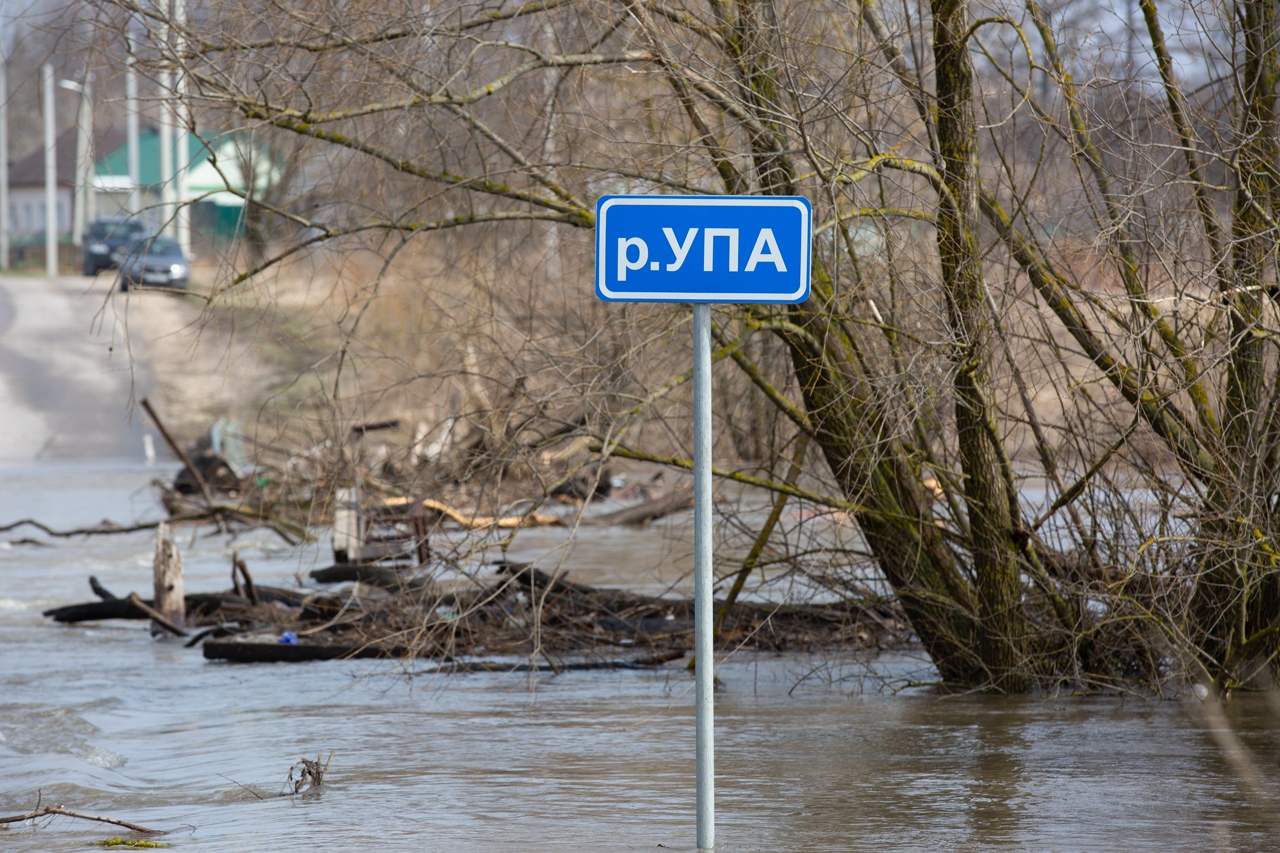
521 612
400 599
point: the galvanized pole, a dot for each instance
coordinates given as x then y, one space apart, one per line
703 604
50 174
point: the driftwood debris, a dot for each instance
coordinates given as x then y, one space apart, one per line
95 611
663 622
201 608
222 514
468 667
386 576
101 591
473 521
158 620
523 612
309 774
239 573
63 811
268 649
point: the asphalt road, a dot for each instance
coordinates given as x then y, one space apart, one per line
69 374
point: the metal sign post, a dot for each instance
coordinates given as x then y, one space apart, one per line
703 612
703 249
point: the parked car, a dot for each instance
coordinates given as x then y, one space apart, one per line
105 239
155 262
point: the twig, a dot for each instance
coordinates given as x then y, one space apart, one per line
27 540
65 812
243 787
762 540
238 567
217 513
103 528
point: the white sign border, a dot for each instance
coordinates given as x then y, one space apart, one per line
806 226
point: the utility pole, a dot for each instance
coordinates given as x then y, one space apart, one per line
87 164
4 159
50 174
181 116
166 139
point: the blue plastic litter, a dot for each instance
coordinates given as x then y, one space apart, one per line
289 638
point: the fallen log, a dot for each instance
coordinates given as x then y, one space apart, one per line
264 650
122 608
469 667
645 512
383 576
476 522
198 605
94 611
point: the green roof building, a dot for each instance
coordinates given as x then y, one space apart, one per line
215 210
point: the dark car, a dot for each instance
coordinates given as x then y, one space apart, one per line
105 239
155 262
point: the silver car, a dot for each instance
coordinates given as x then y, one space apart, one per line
154 262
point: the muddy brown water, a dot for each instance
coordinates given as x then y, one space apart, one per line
813 754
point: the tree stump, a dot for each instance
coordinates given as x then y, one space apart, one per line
347 535
167 574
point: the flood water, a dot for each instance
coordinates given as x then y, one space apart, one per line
812 754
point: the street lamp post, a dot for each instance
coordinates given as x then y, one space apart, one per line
131 123
83 190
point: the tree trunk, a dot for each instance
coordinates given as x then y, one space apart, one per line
1236 604
987 490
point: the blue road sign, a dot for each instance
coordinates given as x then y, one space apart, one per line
703 248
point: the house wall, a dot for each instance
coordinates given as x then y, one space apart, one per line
26 211
116 203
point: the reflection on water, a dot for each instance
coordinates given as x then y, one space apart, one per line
811 754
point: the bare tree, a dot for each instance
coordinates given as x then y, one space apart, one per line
1022 271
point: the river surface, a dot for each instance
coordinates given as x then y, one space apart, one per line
813 754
